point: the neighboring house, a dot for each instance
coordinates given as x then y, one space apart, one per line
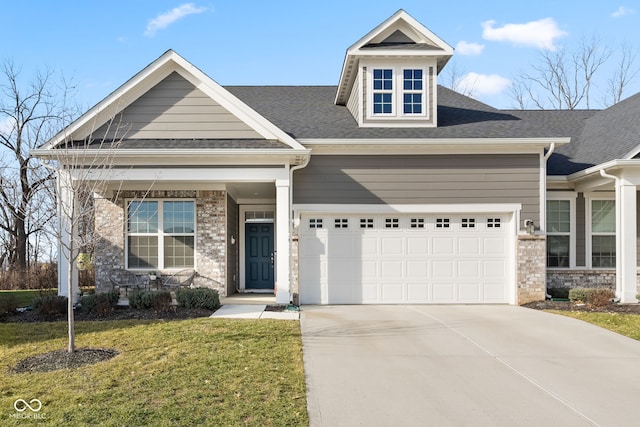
385 189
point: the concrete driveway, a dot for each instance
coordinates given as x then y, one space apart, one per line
430 365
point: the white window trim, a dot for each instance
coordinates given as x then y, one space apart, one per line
571 197
589 197
397 112
160 233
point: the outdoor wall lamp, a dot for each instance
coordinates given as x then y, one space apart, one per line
530 226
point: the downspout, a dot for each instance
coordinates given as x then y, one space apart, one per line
615 179
291 171
552 148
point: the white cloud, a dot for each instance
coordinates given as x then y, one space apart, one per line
483 84
541 34
163 21
466 48
622 11
7 125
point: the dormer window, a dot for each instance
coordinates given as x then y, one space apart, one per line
397 92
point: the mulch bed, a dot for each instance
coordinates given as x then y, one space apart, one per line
121 313
569 306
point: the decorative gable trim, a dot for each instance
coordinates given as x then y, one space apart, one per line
150 76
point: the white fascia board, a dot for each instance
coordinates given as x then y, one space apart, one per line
195 175
430 145
404 208
176 156
607 166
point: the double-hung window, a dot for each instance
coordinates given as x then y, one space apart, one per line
382 91
161 234
603 233
398 91
558 233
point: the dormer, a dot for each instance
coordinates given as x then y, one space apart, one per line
389 77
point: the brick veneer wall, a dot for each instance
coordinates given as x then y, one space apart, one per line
531 268
211 235
581 279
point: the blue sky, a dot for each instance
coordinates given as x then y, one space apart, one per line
101 44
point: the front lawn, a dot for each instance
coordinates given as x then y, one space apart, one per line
624 324
203 371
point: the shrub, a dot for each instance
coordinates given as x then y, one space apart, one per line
157 300
50 305
600 297
198 298
101 303
596 297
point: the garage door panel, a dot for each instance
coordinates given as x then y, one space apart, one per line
391 245
443 245
469 292
407 258
469 245
418 292
442 268
417 269
443 292
469 268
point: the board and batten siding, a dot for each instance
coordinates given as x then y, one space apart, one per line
175 108
422 179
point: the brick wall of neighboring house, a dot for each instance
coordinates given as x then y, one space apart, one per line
531 268
211 235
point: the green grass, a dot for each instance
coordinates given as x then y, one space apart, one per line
621 323
194 372
23 298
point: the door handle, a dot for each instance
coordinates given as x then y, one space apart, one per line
273 256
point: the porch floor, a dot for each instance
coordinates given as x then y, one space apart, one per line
248 299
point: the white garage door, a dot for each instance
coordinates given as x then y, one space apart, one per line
408 258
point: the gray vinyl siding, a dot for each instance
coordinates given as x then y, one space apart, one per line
174 108
422 179
352 102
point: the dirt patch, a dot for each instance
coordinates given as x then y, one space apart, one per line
570 306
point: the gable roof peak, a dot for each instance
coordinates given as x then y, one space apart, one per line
398 35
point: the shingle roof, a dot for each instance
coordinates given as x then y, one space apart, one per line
597 136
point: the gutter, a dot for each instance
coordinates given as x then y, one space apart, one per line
291 171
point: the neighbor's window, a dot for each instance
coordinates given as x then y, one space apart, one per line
161 234
558 233
603 233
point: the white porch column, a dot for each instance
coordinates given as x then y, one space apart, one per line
65 224
626 240
283 209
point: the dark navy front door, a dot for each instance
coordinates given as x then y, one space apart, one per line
259 255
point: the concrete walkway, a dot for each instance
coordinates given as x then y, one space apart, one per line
465 366
251 306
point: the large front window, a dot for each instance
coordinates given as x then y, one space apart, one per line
160 234
603 233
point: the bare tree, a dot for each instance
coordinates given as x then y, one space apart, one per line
457 80
625 72
28 113
564 79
